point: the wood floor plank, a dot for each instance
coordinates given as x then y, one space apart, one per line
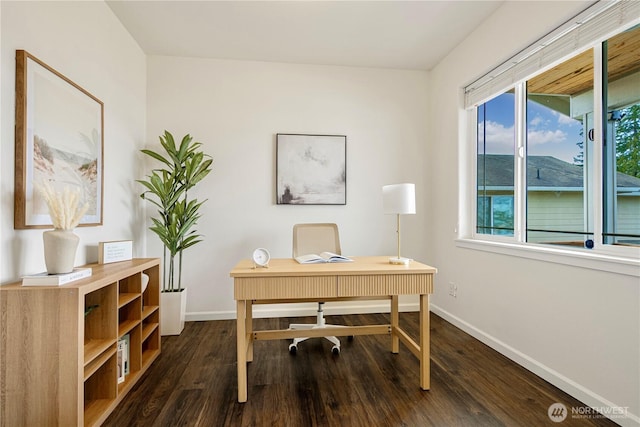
194 382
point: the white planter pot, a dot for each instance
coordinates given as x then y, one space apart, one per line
173 306
60 250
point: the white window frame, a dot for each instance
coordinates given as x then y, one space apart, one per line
598 23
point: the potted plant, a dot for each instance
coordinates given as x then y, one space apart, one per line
167 187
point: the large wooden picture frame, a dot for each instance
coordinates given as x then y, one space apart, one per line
59 138
311 169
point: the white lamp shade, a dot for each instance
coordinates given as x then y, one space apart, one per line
399 199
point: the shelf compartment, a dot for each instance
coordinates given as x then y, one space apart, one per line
150 338
100 391
151 321
131 284
127 326
91 367
95 409
151 345
126 298
94 348
128 382
135 355
148 310
151 296
149 356
130 312
134 351
100 322
151 348
147 329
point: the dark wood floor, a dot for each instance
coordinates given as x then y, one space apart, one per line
193 382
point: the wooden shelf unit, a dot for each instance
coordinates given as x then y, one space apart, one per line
60 366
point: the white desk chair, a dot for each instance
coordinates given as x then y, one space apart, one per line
315 239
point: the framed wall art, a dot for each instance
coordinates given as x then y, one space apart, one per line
59 139
311 169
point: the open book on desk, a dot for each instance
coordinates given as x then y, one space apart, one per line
323 257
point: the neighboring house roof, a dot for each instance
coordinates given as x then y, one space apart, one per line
542 171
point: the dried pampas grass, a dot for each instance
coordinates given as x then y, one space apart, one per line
64 207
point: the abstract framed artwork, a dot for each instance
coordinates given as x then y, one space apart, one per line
59 139
311 169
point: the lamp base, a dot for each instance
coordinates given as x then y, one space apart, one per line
400 261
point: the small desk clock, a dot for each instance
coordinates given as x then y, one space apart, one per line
261 258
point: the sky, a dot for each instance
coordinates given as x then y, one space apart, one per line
549 133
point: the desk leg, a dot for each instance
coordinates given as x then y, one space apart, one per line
241 307
425 369
249 330
395 323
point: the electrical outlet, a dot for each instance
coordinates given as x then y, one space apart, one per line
453 289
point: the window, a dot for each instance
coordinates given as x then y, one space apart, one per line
495 142
557 141
559 108
495 213
622 140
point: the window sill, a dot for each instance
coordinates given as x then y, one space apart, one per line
583 258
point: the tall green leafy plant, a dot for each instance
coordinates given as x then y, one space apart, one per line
167 187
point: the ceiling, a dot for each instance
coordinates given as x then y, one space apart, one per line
381 34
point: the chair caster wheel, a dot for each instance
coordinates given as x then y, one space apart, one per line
293 349
335 350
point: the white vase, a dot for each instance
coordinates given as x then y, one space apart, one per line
173 306
60 250
145 282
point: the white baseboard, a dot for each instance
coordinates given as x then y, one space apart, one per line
588 397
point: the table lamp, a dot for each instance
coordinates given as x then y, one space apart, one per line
399 199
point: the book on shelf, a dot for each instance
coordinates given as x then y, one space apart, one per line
45 279
121 356
323 257
127 345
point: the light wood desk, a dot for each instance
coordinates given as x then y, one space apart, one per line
286 281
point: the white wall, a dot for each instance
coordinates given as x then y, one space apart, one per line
86 43
576 327
235 109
